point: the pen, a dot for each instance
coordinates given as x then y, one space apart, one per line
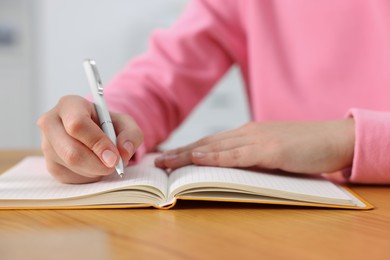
95 84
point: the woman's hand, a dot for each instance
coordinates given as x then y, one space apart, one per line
76 149
300 147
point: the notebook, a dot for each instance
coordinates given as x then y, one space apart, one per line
28 185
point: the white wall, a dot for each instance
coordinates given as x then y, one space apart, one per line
112 32
16 94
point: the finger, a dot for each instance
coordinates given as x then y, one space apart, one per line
129 135
60 172
236 157
181 156
215 138
79 125
69 152
242 156
175 159
64 175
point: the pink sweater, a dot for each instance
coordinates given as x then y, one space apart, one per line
300 60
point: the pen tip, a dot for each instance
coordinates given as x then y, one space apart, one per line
120 171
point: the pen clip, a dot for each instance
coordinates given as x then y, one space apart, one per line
97 77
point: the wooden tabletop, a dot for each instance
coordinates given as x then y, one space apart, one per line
206 230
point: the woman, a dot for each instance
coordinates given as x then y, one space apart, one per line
317 80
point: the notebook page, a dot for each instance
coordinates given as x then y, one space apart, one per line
212 176
29 180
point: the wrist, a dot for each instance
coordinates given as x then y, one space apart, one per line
345 144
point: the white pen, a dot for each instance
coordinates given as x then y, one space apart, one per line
100 105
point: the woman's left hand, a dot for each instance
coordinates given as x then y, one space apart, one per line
300 147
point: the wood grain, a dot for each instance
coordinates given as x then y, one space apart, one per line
206 230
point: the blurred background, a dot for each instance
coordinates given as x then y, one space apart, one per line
43 44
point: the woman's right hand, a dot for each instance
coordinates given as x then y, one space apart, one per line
76 149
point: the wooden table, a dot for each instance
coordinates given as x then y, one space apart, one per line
202 230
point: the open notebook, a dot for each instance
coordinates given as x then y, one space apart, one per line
29 185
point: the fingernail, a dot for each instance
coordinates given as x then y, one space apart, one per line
129 147
198 155
109 158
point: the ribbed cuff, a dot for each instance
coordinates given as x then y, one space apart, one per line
371 161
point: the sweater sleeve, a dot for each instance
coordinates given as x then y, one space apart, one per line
371 163
160 88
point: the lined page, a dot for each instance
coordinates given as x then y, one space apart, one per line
202 176
29 180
